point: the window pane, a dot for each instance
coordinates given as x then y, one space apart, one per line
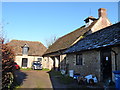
40 59
79 59
25 50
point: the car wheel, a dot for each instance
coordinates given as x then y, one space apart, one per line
91 82
33 68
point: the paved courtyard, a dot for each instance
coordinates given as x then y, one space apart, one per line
33 79
38 79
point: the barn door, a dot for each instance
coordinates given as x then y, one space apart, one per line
106 68
24 62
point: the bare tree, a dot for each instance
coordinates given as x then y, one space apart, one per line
51 40
3 36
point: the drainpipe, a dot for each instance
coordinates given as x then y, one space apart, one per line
115 59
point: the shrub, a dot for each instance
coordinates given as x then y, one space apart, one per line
7 66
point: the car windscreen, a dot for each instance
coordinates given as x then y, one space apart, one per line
36 63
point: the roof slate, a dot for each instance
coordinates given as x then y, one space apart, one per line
67 40
35 48
102 38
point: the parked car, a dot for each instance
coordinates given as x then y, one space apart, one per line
36 65
16 66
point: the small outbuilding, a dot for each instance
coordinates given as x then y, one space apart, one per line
97 54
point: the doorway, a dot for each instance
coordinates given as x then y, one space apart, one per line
56 63
24 62
106 66
58 58
53 58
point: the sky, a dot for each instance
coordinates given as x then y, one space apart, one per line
40 21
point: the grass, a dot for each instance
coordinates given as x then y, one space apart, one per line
17 87
55 73
40 89
62 78
66 79
27 69
45 69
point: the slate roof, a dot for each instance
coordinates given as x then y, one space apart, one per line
67 40
105 37
90 17
35 48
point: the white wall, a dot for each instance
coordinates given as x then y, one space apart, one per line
48 63
18 60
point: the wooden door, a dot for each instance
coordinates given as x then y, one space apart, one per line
24 62
106 68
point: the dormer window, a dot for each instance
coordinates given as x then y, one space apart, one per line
25 49
89 20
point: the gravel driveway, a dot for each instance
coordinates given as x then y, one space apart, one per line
33 79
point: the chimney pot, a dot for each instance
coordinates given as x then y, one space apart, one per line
102 12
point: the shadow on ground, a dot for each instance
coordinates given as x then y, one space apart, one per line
65 82
19 78
61 81
53 77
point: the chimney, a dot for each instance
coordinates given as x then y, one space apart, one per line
102 12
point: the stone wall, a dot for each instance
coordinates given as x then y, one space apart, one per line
45 62
63 62
48 63
117 51
117 57
91 63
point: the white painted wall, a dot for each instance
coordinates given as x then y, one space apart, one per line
48 63
56 62
18 60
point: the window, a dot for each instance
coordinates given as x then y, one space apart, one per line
25 49
39 59
24 62
79 60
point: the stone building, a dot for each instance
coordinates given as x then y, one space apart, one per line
119 11
97 54
54 56
27 51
